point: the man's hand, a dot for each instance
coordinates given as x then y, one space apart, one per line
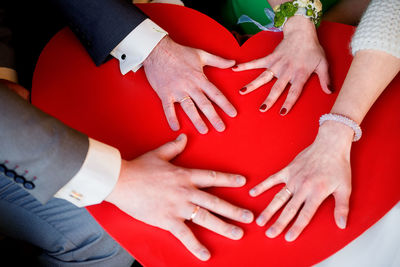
158 193
176 74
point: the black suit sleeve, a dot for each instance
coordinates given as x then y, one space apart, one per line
100 24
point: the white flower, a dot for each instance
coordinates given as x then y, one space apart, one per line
302 3
318 5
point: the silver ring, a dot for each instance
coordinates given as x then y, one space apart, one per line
288 191
194 213
184 99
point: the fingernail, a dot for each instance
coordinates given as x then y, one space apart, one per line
237 232
283 111
263 107
253 192
203 129
240 180
180 137
205 255
235 67
342 222
220 126
260 220
271 232
289 236
247 215
331 88
232 113
244 89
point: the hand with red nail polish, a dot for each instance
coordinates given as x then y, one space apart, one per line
293 61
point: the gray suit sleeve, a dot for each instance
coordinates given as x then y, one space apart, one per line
37 151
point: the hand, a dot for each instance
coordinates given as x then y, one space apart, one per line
320 170
154 191
293 61
176 74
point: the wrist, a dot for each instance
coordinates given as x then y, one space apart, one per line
113 196
336 134
300 26
158 49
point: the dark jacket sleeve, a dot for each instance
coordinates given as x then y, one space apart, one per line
37 151
100 24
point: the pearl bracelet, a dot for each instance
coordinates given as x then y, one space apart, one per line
343 119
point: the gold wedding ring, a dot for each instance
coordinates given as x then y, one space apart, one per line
194 213
184 99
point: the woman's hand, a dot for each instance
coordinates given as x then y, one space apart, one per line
318 171
154 191
176 74
293 61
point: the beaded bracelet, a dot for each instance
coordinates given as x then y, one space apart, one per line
343 119
311 9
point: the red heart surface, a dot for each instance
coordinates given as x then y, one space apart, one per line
125 112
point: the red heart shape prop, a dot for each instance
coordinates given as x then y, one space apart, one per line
125 112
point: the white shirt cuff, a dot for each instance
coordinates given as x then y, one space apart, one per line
96 178
137 46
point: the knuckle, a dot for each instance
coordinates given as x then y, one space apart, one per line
294 93
291 209
205 103
279 198
167 104
202 215
226 229
178 231
218 96
306 216
214 202
321 187
183 191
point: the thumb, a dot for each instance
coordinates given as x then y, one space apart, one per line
172 149
323 75
215 61
341 212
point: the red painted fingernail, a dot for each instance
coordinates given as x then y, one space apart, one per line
235 67
283 111
244 89
331 88
263 107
